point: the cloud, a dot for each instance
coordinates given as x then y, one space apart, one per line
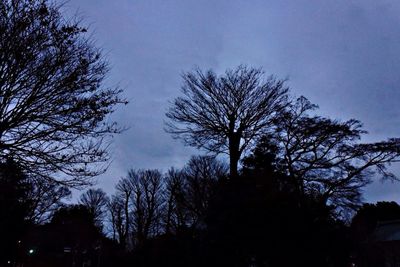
343 55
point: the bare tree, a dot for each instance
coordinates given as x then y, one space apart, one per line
147 203
136 209
96 200
325 157
118 220
52 102
188 192
225 114
45 199
176 215
120 210
201 174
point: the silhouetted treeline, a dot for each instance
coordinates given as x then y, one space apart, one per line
194 216
286 198
289 204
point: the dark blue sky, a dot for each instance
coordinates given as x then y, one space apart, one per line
344 55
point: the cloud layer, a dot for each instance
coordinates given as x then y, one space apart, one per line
343 55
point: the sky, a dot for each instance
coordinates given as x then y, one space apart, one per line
343 55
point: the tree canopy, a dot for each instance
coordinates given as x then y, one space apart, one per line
324 157
53 105
226 113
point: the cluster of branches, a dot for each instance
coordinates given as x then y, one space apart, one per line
24 201
241 111
325 157
148 203
53 103
226 114
35 200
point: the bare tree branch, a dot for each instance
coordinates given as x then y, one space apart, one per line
225 114
53 107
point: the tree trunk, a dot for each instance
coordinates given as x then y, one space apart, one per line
234 155
233 162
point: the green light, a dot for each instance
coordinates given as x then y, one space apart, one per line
31 251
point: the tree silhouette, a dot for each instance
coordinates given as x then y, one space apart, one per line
14 208
136 208
188 192
118 220
256 220
45 198
175 216
71 227
24 203
120 211
147 204
52 102
225 114
325 158
96 200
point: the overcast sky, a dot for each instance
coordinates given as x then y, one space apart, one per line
343 55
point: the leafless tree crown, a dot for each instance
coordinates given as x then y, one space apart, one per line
53 106
225 114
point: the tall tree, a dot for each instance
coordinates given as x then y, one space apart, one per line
325 157
96 200
188 192
53 103
118 220
225 114
120 210
201 175
136 208
175 216
147 203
